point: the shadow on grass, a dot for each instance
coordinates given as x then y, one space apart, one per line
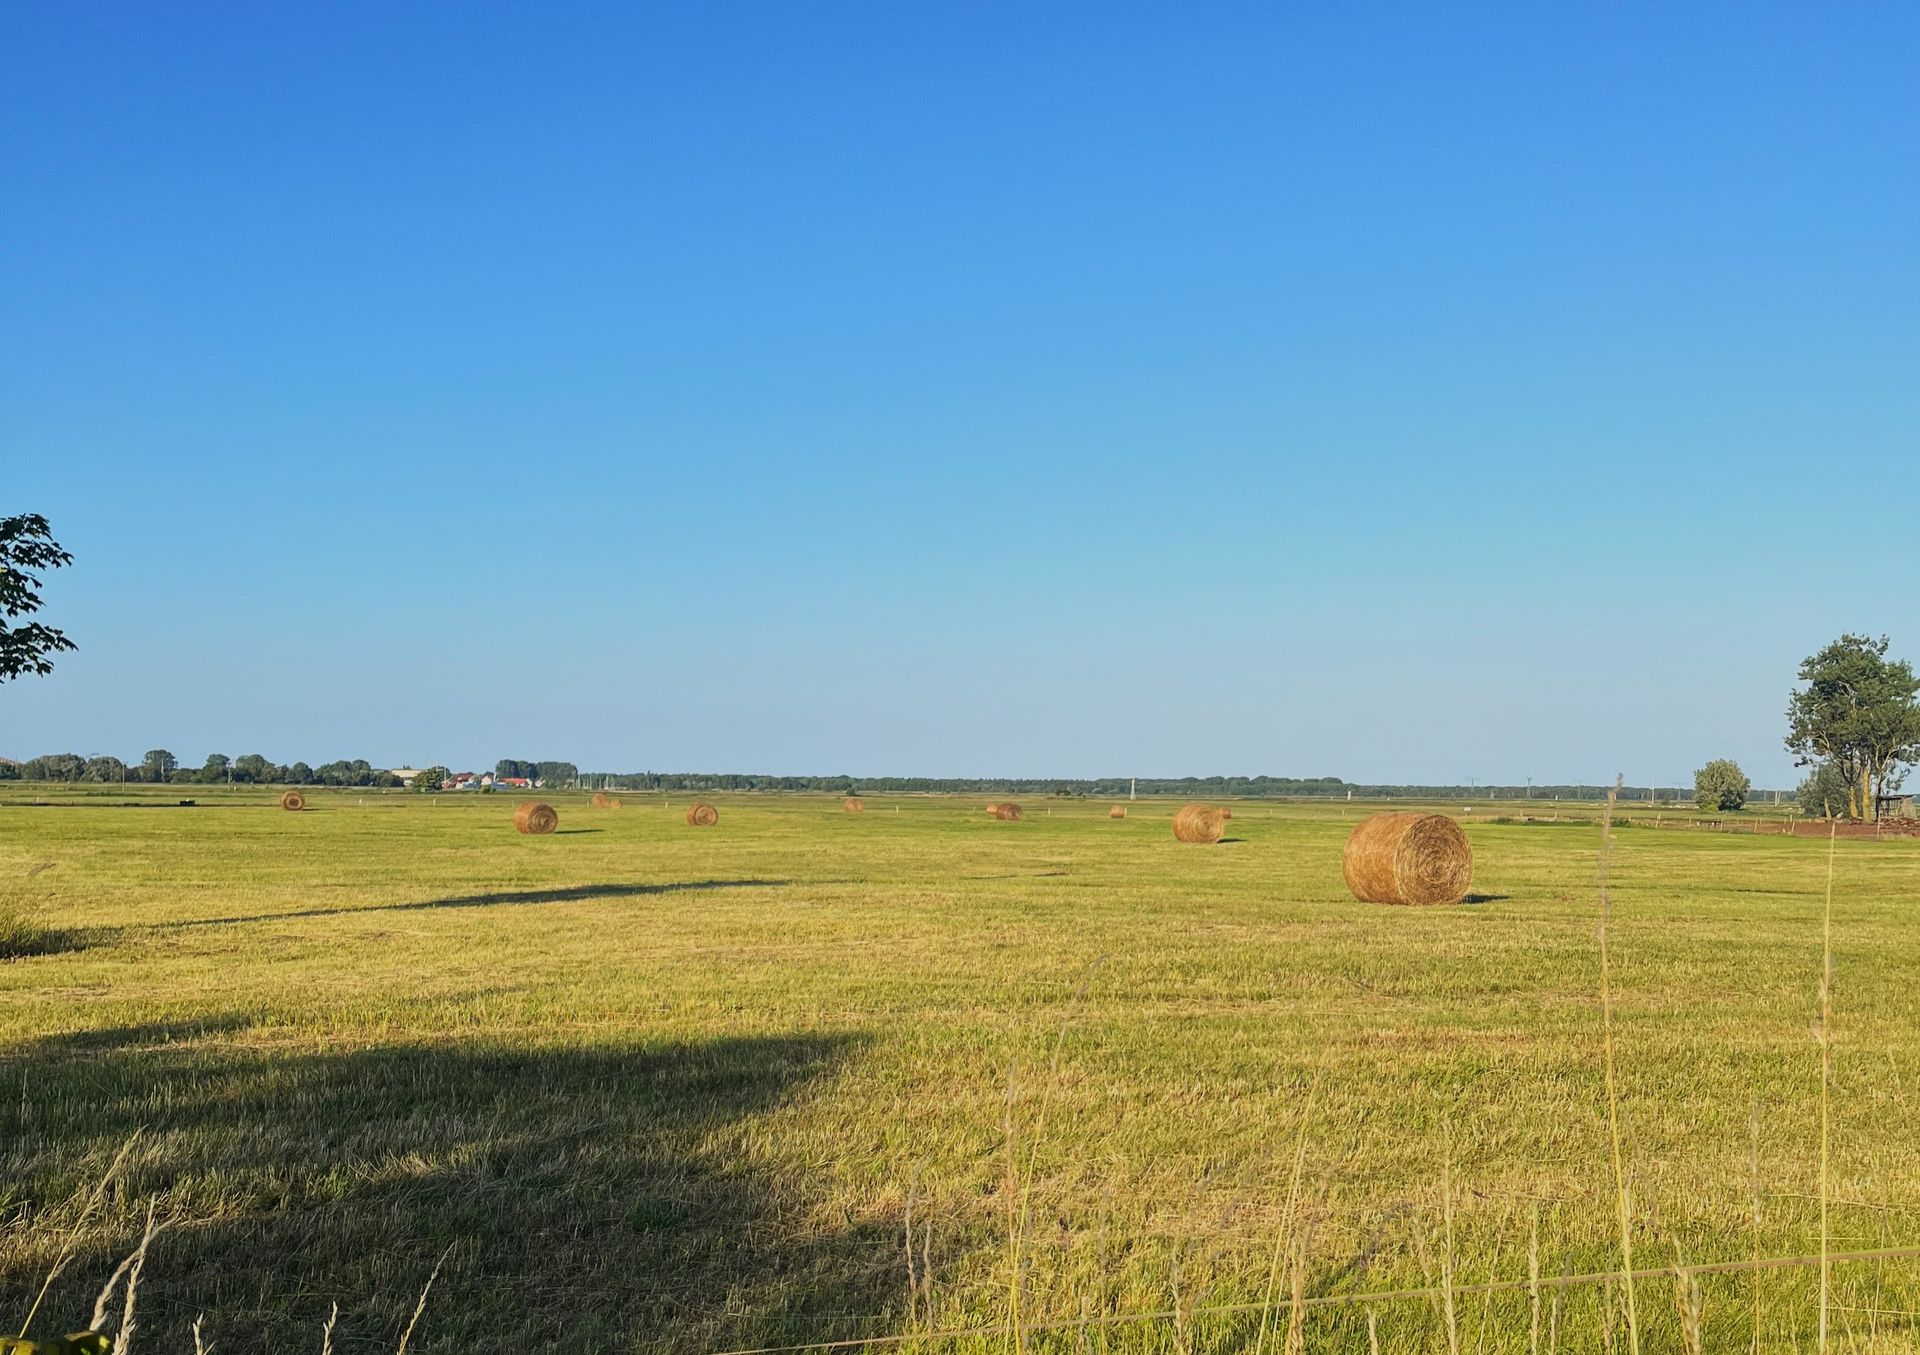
570 894
1486 898
602 1199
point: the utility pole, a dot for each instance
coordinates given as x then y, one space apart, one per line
1133 788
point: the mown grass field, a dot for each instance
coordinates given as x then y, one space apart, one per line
663 1088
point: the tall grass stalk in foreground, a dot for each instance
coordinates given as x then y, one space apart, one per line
1281 1238
1622 1193
1019 1193
1826 1084
65 1254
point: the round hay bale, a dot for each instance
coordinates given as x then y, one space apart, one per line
853 804
1006 812
1225 812
702 815
601 800
1199 823
1408 858
293 800
1117 812
530 816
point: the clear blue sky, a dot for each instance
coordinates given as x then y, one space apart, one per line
1402 393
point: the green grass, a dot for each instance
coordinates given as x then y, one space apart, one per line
680 1089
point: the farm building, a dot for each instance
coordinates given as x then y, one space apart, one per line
1895 807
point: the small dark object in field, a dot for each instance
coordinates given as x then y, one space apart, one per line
1408 858
533 817
853 804
293 800
702 815
1117 812
1199 823
1007 812
601 800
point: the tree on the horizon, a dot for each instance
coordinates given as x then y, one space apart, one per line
1721 785
1860 713
27 545
159 764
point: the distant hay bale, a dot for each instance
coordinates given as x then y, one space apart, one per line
1006 812
293 800
1408 858
1117 812
533 817
853 804
702 815
1225 812
601 800
1199 823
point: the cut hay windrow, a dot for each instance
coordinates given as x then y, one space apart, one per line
1117 812
1199 823
702 815
293 800
1408 858
531 816
853 804
1005 811
601 800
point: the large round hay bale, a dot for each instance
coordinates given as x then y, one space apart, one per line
1005 811
1117 812
601 800
1199 823
853 804
533 817
293 800
1408 858
702 815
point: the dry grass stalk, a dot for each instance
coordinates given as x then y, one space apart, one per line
702 815
64 1256
123 1343
531 816
326 1332
1287 1216
1533 1283
1407 858
419 1307
1199 823
1826 1089
1753 1174
1622 1195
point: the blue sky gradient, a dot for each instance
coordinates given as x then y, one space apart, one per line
1403 393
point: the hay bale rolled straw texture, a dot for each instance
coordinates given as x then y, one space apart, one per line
531 816
1199 823
853 804
1408 858
1006 812
293 800
702 815
601 800
1117 812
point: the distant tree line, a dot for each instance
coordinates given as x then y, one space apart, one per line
1108 787
160 767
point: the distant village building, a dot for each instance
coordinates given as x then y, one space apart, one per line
406 774
1896 807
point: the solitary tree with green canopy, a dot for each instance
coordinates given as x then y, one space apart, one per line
1859 712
